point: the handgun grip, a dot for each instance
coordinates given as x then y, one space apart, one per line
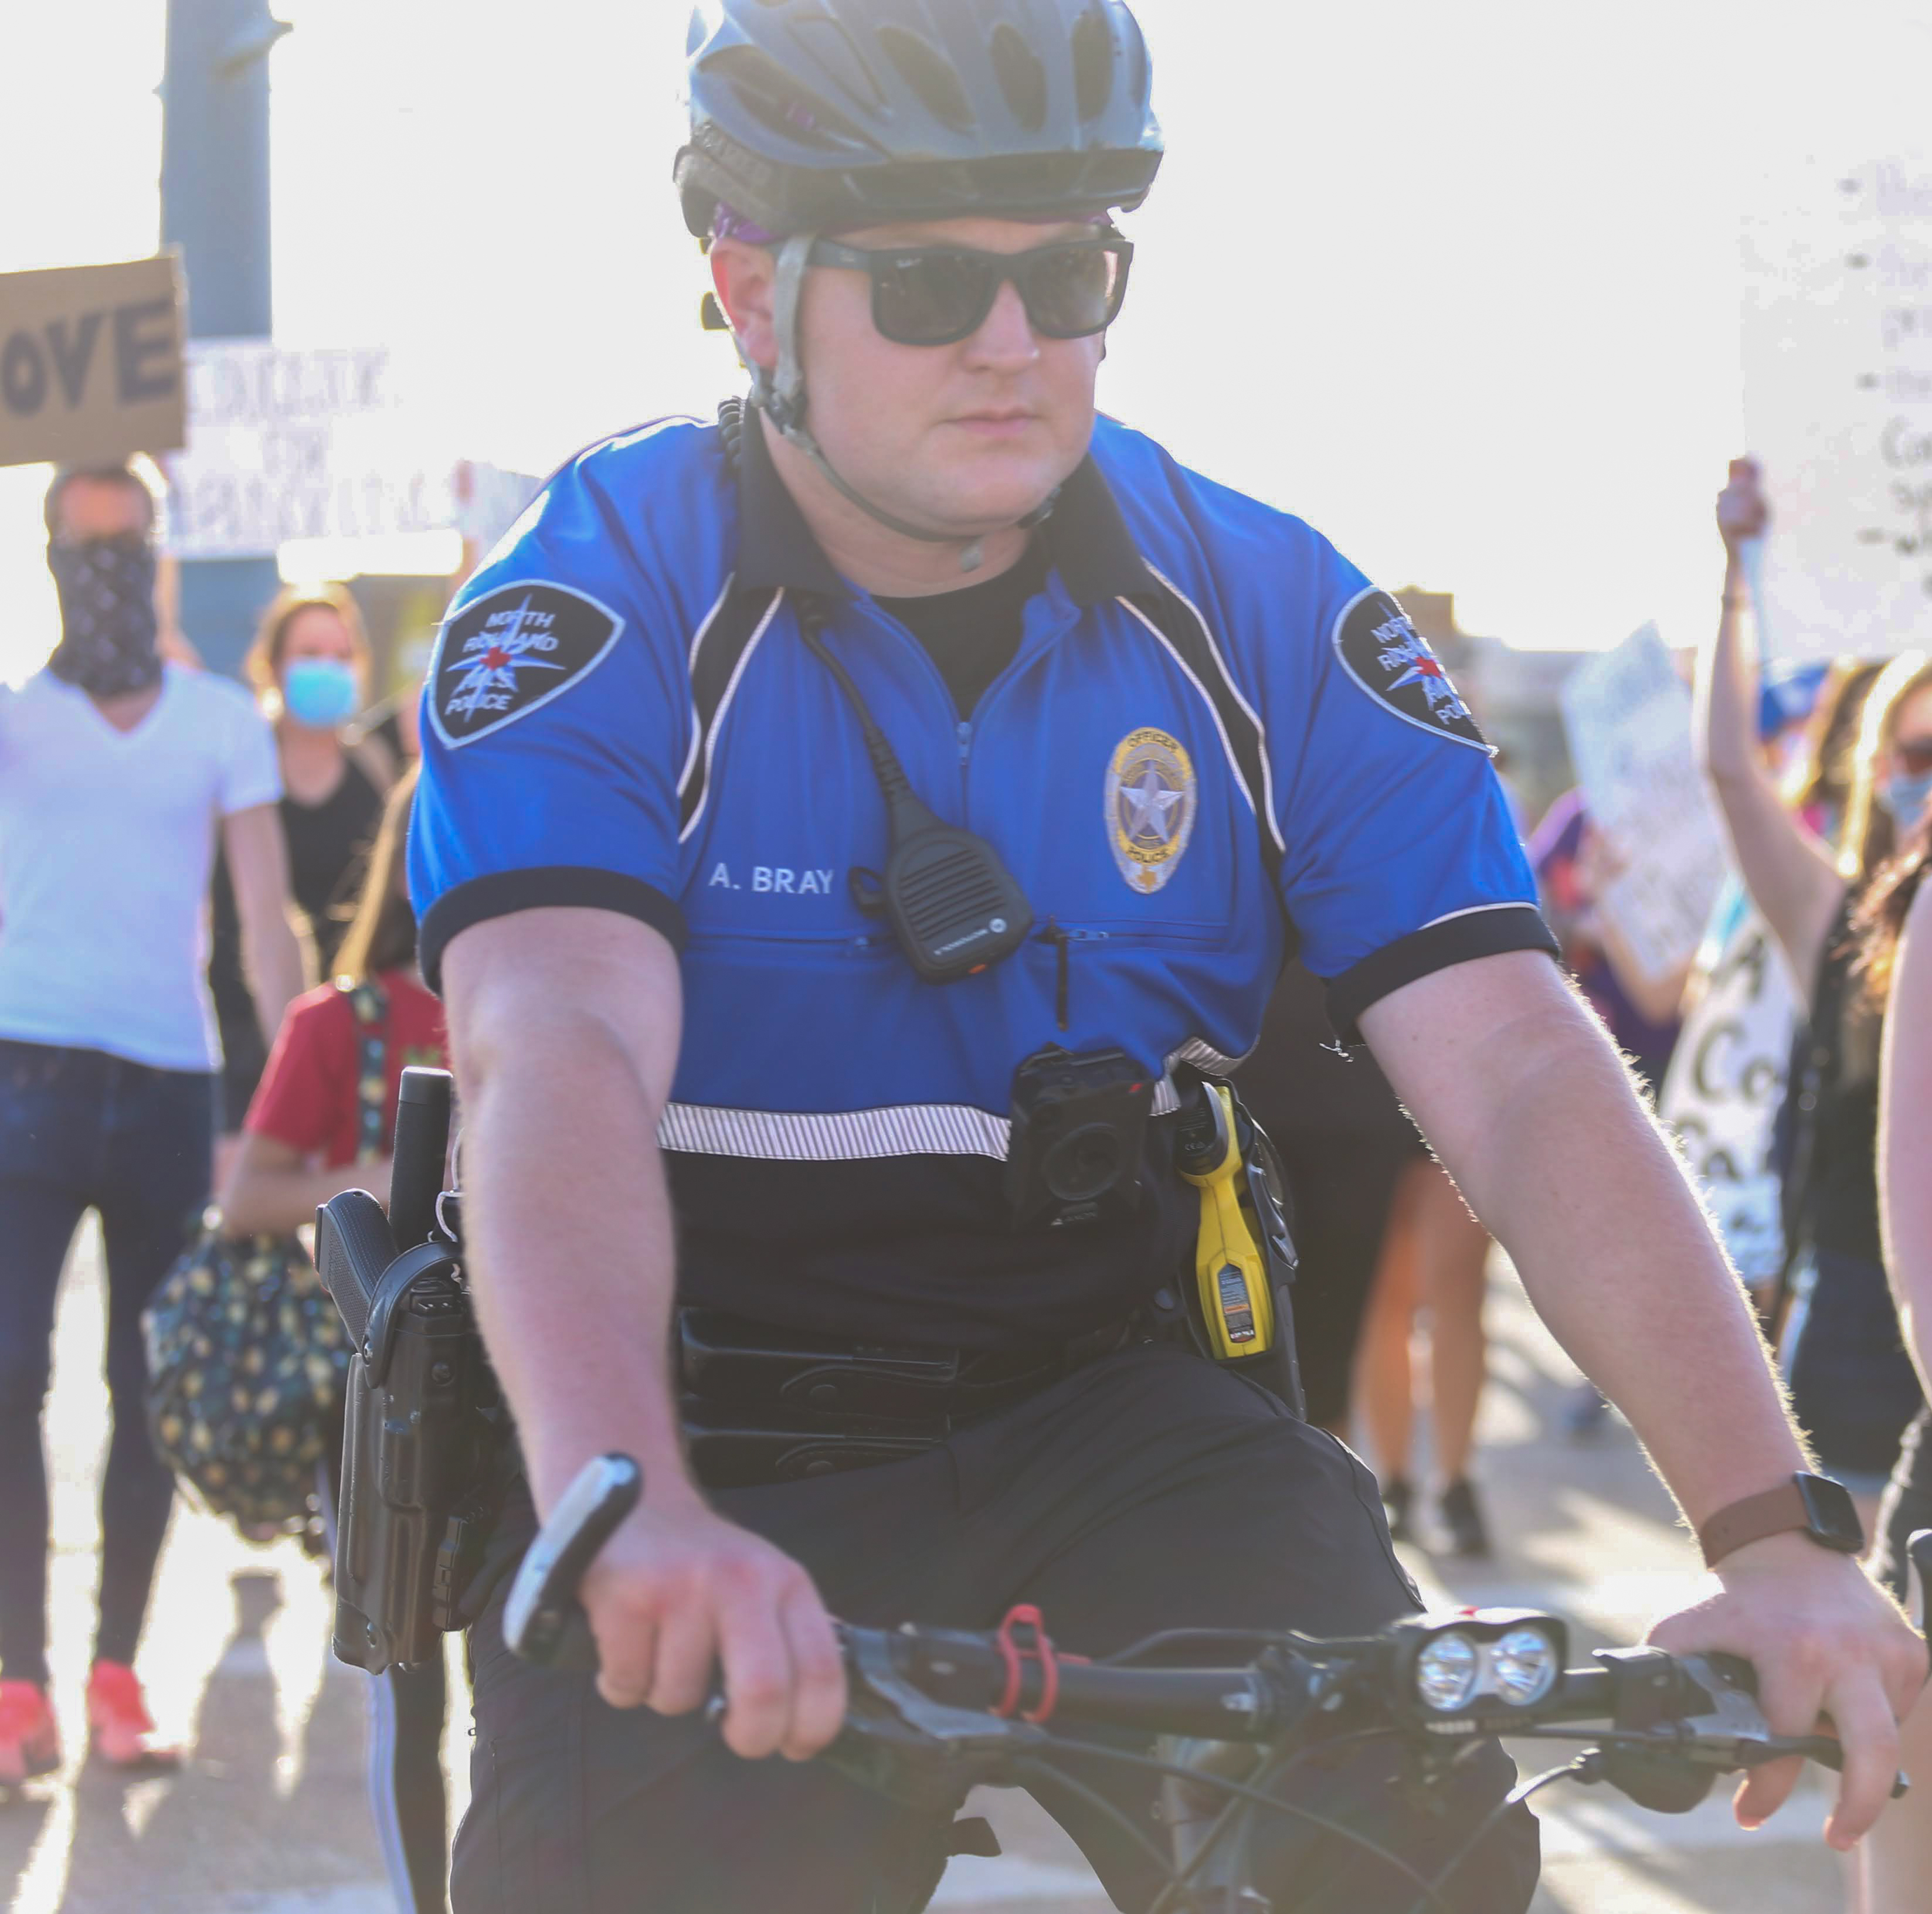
353 1246
424 1103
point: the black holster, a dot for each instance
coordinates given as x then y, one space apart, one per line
421 1476
423 1440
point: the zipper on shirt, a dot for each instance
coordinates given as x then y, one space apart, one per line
1015 667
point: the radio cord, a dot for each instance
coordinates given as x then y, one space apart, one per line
885 766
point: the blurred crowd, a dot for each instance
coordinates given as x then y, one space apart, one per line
1822 772
130 1033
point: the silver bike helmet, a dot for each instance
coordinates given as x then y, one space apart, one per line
810 115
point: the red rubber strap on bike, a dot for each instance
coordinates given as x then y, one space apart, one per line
1010 1655
1014 1656
1049 1683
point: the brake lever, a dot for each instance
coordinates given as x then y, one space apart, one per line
1735 1733
869 1664
901 1743
542 1620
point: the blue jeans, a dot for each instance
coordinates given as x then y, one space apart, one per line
81 1130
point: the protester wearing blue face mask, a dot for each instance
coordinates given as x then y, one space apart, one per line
1853 1385
309 666
1907 792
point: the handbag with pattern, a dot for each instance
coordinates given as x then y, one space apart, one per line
248 1359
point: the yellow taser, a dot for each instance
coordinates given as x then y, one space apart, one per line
1230 1268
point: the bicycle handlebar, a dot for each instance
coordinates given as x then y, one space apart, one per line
944 1689
1701 1709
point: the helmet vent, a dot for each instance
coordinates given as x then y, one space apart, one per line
826 40
927 71
1022 78
1092 63
771 97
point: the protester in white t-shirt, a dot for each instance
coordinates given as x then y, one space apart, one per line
116 771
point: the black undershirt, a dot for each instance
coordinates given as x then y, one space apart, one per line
972 633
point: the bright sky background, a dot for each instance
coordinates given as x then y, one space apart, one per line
1458 283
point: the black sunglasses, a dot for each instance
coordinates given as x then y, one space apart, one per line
937 295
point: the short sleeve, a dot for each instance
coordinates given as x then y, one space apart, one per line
1402 855
251 774
555 720
310 1075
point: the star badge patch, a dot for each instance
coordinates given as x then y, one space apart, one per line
1151 798
1385 654
514 649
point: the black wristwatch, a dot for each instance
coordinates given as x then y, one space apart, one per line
1813 1505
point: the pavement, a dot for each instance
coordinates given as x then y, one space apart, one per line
267 1814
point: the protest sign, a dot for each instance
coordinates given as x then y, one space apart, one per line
91 363
1726 1080
1838 365
490 499
1626 714
287 445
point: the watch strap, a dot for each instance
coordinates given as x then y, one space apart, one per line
1774 1512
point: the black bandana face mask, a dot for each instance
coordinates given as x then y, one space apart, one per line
108 626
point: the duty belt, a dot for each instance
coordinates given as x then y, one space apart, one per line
761 1404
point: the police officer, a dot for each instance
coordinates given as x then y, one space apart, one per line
697 1068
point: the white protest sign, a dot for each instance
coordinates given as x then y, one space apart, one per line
490 499
1627 717
296 444
1726 1080
1837 366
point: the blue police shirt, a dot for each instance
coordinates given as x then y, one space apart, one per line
1214 729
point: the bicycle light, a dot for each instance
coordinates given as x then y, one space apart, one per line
1474 1669
1526 1664
1446 1672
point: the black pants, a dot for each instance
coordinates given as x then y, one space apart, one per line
408 1706
1907 1508
1344 1188
1853 1387
80 1130
1149 1491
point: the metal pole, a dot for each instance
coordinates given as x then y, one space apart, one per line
214 206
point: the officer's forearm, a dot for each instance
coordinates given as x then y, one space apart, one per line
1537 1122
570 1247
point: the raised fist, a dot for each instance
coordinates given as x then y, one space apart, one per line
1742 512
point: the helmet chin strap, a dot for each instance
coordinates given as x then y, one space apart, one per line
781 397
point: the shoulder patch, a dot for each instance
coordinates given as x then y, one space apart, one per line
512 650
1384 654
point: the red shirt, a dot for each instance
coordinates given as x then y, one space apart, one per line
307 1098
